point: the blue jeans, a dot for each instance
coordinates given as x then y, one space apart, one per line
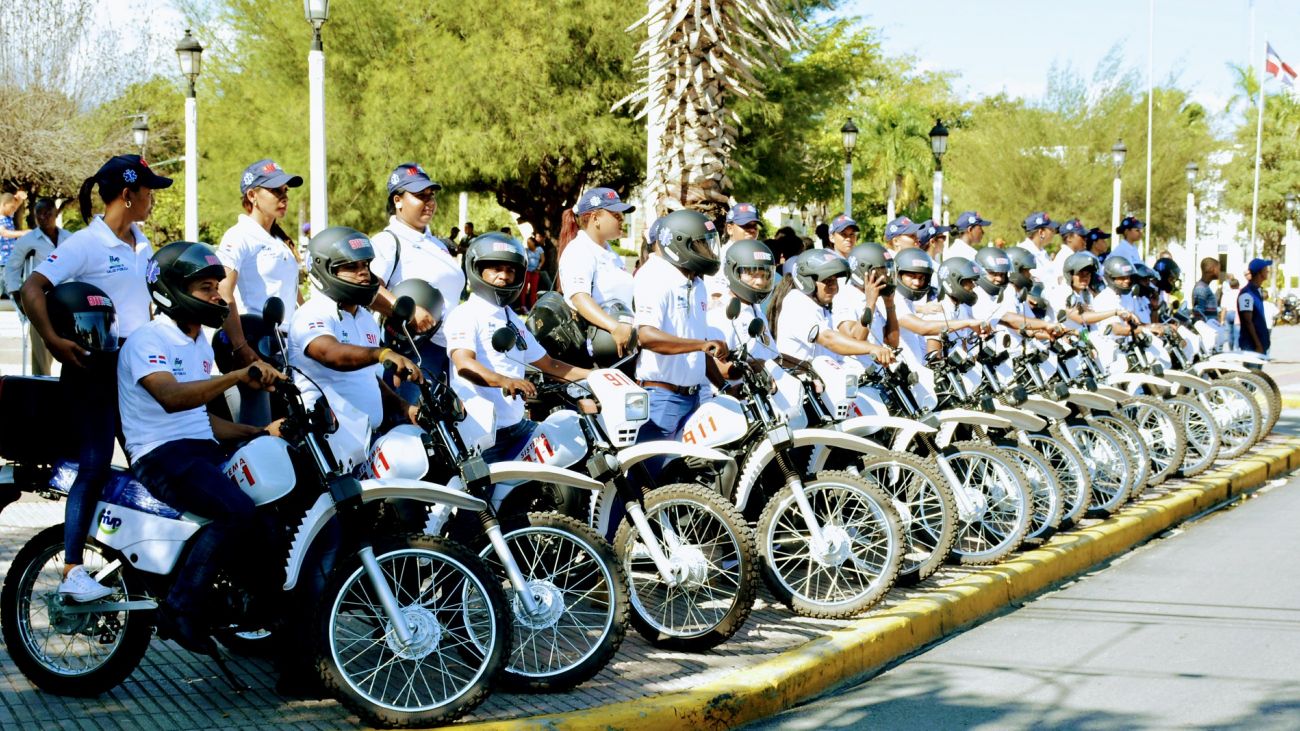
434 360
92 394
510 441
186 474
668 413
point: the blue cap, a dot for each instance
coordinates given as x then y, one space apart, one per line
930 229
267 174
1073 226
1037 220
1258 265
1128 223
411 178
970 218
131 170
1096 234
901 226
743 214
601 198
843 221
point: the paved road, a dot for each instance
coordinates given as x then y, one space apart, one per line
1199 629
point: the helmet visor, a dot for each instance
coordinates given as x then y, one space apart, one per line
707 246
95 331
758 278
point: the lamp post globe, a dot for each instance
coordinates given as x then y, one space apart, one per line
140 133
1192 169
938 146
1117 154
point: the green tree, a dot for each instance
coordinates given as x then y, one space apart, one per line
1279 171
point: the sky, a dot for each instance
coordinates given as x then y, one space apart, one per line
1009 45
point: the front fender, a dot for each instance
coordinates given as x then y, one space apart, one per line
1187 380
1045 408
1131 381
1216 366
324 509
1094 401
520 471
1110 392
822 440
638 453
970 416
1020 418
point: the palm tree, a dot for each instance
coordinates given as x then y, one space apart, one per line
897 150
698 55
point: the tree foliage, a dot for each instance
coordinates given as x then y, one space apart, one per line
1280 161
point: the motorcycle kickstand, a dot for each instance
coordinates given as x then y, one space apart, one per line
236 684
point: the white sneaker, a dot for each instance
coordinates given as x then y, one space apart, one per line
79 586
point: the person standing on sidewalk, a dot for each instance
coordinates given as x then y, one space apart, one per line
1250 308
1228 306
9 232
37 245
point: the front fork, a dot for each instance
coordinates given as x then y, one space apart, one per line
795 483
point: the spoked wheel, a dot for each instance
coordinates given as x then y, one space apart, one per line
61 649
1237 415
1202 435
1164 434
460 634
1267 399
581 602
1071 473
926 510
1110 468
710 552
1135 446
996 518
1047 503
846 569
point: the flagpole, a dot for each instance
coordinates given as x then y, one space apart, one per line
1259 144
1151 34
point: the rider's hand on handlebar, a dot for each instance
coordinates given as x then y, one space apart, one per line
519 387
884 356
980 327
67 352
260 376
274 428
622 336
403 367
715 348
413 413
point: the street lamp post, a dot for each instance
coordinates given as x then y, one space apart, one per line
1291 207
190 54
947 203
1191 205
938 145
850 134
317 11
140 132
1117 154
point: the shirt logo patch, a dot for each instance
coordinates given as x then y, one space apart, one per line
316 325
157 360
372 339
178 367
207 366
115 265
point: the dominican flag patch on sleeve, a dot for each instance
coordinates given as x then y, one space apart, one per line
157 359
316 325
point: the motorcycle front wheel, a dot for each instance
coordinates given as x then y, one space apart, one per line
1163 433
1202 435
998 490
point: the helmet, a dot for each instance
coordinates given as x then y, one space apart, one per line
603 350
423 295
1144 279
496 248
169 275
1037 302
83 314
1170 275
556 327
916 261
1020 259
865 257
817 265
331 249
752 254
1079 261
1117 266
689 240
954 271
992 260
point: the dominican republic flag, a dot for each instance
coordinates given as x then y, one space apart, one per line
157 360
1276 67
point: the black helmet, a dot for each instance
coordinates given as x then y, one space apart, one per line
689 240
1118 266
423 295
169 275
603 350
331 249
1169 276
556 327
954 271
1020 259
992 260
1144 279
1079 261
916 261
1037 302
83 314
749 254
865 257
496 248
817 265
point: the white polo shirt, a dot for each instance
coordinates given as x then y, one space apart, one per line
470 327
160 347
1057 276
799 314
913 343
265 265
590 268
848 306
1126 250
959 247
422 257
353 396
736 332
1042 262
95 255
667 300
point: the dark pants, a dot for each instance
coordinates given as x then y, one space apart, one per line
510 441
186 474
434 360
91 394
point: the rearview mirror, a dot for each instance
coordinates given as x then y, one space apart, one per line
865 320
755 327
273 312
1061 316
403 308
733 308
813 332
504 339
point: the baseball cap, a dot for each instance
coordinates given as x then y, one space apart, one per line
1096 234
1073 226
1129 222
131 170
929 229
843 221
1258 265
410 177
267 174
1037 220
901 226
970 218
601 198
742 214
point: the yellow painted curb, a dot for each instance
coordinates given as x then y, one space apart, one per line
1290 402
869 643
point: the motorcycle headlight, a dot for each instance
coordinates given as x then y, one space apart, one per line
636 406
